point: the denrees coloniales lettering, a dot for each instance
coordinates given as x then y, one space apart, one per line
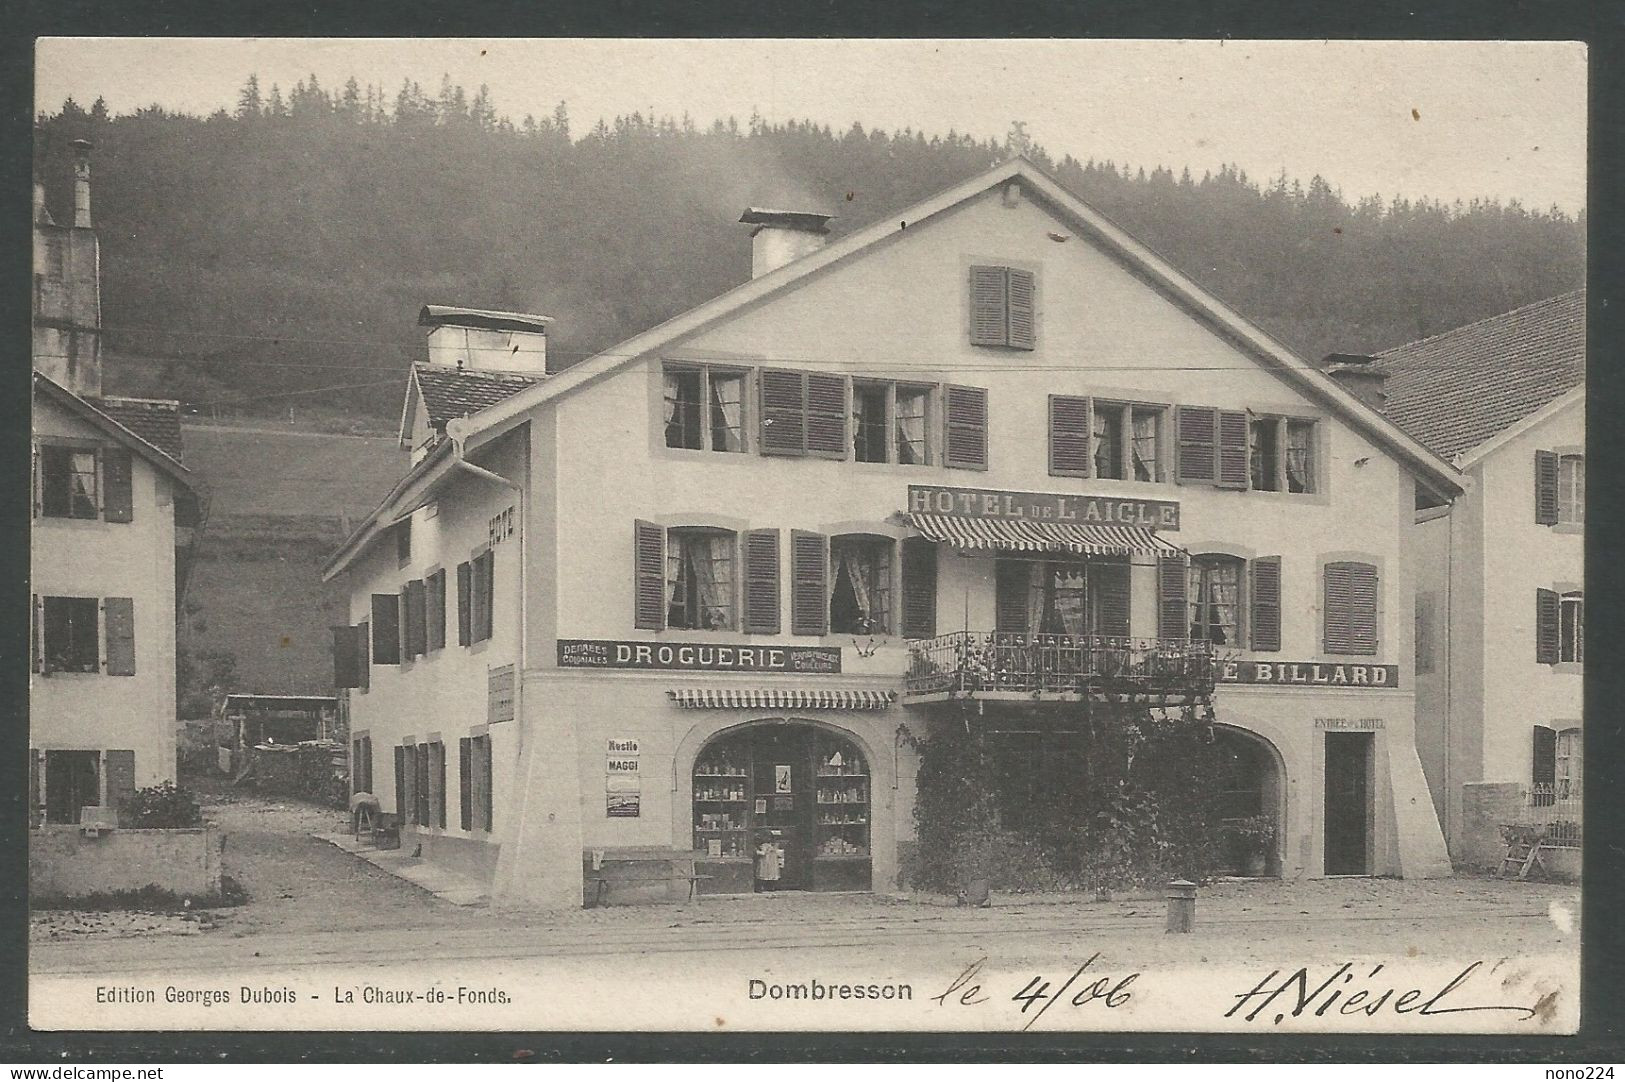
720 657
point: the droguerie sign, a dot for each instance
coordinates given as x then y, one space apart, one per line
718 657
1319 674
990 503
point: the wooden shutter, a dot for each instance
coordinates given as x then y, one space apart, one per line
1198 437
827 414
400 784
809 578
485 566
437 754
1548 636
118 499
1113 595
989 320
363 655
919 588
482 750
1543 766
1173 615
1068 436
1022 299
1350 608
649 576
762 582
465 782
1012 581
784 412
1546 487
435 610
386 629
465 601
1264 596
39 634
966 417
120 766
118 616
345 669
417 618
405 628
36 813
1233 466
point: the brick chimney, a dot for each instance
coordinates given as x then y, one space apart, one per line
81 183
783 236
1361 376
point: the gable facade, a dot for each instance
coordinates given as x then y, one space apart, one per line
766 538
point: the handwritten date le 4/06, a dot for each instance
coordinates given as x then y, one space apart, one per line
1041 993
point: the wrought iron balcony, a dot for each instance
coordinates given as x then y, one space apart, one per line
1011 665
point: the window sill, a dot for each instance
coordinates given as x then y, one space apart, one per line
1572 668
1575 528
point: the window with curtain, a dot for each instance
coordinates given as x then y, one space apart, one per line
1569 772
1108 441
1065 601
1146 462
869 422
1300 462
67 483
1571 627
860 585
1262 453
700 579
1571 489
910 424
1214 594
704 408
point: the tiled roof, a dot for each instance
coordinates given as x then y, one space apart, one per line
1457 389
452 392
157 422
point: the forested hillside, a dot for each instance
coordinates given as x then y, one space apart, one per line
285 245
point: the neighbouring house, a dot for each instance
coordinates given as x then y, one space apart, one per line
1500 602
114 511
972 465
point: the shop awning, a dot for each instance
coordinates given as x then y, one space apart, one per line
774 699
1010 535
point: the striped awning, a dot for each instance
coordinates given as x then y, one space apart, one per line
1011 535
774 699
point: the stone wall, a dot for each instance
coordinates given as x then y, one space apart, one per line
1485 806
64 863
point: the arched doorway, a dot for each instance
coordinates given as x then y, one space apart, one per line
782 805
1250 787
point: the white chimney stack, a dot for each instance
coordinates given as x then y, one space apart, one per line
476 340
783 236
81 183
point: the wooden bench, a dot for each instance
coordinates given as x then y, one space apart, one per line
629 867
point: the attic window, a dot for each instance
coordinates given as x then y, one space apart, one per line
1003 306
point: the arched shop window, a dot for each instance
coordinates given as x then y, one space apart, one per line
782 806
1249 798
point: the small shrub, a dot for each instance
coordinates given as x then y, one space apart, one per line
161 806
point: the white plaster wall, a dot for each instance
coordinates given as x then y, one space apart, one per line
1520 556
445 691
92 558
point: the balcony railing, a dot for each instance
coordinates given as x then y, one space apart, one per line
971 663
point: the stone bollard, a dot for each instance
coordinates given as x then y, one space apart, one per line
1181 905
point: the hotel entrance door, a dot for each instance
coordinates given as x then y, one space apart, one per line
1349 812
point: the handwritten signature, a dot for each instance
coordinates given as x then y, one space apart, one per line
1036 992
1360 997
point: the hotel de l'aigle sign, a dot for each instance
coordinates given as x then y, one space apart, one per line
987 503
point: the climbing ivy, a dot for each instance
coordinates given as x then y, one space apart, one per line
1111 797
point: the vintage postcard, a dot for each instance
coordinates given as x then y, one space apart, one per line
762 535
